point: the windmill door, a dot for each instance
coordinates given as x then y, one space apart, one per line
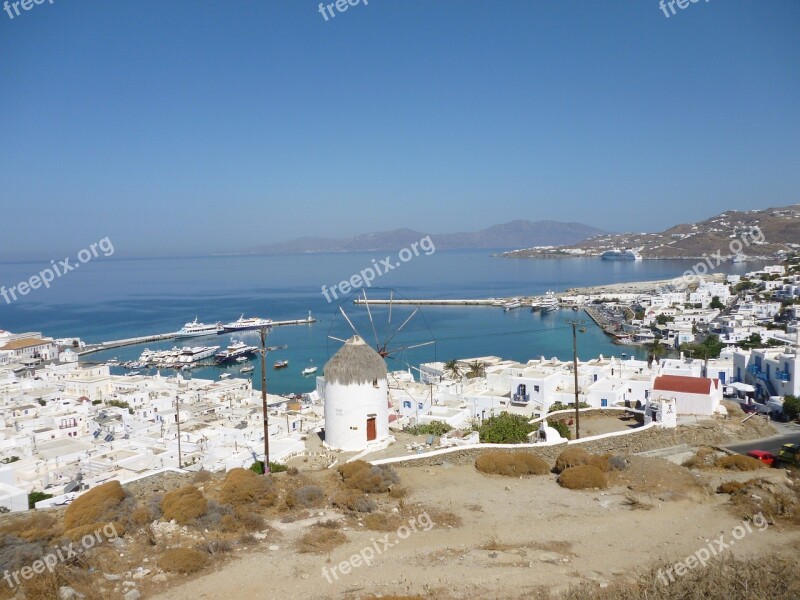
372 431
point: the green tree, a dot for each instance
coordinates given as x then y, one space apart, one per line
562 429
716 303
791 407
35 497
655 351
506 428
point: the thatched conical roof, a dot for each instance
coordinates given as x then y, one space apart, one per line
355 363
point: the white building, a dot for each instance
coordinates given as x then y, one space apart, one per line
356 398
692 395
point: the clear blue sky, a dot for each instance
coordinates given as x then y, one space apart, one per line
192 126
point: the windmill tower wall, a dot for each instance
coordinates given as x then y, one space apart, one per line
356 399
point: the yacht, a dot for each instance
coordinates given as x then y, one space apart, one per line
617 254
549 302
242 324
235 351
225 376
190 355
195 329
309 370
512 304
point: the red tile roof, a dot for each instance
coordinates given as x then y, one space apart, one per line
685 385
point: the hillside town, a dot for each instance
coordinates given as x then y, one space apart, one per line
67 426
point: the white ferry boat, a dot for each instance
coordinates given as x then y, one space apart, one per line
195 329
242 324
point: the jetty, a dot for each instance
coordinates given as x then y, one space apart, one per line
471 302
161 337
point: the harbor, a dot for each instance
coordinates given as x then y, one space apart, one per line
164 337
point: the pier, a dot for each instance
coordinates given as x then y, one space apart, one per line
162 337
475 302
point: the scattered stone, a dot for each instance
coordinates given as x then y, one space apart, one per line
132 595
274 547
67 593
112 577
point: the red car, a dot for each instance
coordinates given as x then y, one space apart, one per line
768 458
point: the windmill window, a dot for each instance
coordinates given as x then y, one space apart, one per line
374 383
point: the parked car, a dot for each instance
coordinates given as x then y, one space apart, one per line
768 458
790 454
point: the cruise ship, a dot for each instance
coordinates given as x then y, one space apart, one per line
617 254
242 324
195 329
234 351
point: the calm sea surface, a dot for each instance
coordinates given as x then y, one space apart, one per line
113 298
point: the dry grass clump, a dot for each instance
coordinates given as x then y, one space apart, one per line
737 462
773 501
46 586
352 501
771 577
31 527
511 464
361 475
571 457
182 560
97 507
307 496
703 458
184 505
730 487
634 503
245 487
583 477
141 516
382 522
201 476
319 540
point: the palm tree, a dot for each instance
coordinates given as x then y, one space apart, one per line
476 369
452 368
655 351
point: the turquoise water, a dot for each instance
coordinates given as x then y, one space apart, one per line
113 298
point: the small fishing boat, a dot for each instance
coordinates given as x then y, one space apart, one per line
280 364
241 359
309 370
225 376
247 369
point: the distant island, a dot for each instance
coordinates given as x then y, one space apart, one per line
515 234
779 232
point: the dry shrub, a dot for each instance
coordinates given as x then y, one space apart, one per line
703 458
442 518
32 527
583 477
511 464
46 586
571 457
98 506
16 552
353 501
382 522
601 461
730 487
215 515
182 560
361 475
243 487
319 540
184 505
307 496
251 521
634 503
76 533
141 516
769 577
773 501
738 462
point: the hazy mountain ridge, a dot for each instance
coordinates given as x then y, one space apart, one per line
780 228
514 234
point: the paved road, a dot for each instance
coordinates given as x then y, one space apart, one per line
789 434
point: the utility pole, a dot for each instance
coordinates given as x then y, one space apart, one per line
263 333
577 325
178 421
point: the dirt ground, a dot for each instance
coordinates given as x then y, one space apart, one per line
518 538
